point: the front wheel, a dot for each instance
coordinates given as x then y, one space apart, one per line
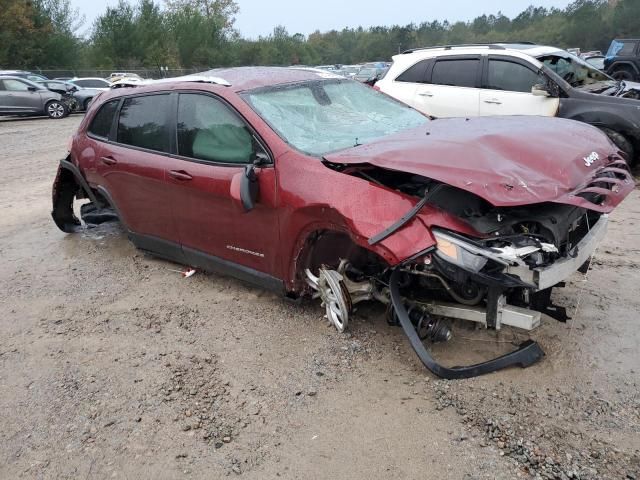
87 102
56 109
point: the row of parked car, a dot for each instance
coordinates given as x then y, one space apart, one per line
28 93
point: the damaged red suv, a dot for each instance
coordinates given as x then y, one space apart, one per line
313 185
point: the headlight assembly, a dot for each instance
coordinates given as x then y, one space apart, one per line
463 254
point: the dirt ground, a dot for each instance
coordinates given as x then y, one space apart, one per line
114 366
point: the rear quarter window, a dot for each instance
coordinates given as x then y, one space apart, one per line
101 123
415 73
143 122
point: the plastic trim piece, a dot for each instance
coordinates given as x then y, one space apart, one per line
528 353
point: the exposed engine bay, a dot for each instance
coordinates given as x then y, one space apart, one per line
504 275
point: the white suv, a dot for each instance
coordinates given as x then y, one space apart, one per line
515 79
470 81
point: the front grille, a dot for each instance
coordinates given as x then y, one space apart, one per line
607 180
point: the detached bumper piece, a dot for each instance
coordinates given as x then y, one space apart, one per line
528 353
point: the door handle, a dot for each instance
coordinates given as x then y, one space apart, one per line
180 175
109 160
493 101
426 94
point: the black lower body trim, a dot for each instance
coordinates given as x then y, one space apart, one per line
528 353
197 259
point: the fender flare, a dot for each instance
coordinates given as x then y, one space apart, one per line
624 63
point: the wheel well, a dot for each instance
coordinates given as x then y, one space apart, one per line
328 247
624 66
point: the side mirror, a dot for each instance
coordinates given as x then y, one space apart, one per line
31 88
249 188
245 187
540 90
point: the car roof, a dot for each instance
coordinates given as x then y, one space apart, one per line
22 79
527 51
248 78
530 49
239 79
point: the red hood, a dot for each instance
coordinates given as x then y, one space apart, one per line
505 160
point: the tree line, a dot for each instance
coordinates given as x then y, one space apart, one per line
43 34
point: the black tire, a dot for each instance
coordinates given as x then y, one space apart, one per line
623 144
56 109
624 73
86 104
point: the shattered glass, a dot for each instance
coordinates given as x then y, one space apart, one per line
327 116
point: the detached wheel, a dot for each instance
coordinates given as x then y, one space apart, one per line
56 109
623 143
86 104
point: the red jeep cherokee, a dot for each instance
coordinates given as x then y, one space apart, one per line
310 184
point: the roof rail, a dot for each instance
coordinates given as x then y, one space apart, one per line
186 78
491 46
516 42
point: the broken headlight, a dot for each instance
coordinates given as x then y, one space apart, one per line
460 253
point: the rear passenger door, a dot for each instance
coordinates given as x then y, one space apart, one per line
131 166
507 83
451 88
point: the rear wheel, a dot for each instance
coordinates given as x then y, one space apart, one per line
56 109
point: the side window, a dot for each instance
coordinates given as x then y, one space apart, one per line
90 83
414 74
511 77
458 73
209 130
142 122
628 49
101 123
15 85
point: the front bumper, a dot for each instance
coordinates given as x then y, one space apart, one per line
562 269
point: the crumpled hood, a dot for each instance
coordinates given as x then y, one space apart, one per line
507 161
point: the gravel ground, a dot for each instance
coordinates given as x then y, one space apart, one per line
114 366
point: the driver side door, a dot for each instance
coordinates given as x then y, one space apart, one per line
213 145
507 86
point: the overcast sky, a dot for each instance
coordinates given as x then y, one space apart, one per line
258 17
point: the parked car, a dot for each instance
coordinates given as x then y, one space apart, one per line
315 185
82 96
623 60
515 79
19 96
116 76
34 77
596 61
92 82
350 71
